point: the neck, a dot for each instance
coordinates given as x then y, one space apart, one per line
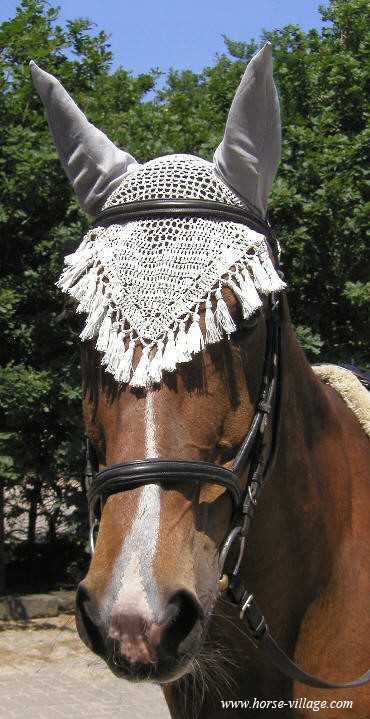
295 534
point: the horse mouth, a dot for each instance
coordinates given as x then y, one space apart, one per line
164 671
169 665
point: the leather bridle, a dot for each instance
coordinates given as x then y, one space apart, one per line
255 457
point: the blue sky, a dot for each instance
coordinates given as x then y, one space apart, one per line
180 33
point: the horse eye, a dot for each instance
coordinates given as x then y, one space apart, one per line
245 328
250 323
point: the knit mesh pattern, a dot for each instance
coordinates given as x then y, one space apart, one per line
173 176
143 282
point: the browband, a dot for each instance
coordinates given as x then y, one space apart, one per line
147 209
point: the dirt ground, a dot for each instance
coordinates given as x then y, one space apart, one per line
45 671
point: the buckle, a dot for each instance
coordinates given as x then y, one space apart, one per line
256 622
94 524
245 605
265 406
230 539
236 533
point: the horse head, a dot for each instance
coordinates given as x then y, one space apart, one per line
184 390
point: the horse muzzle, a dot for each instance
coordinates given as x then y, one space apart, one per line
137 647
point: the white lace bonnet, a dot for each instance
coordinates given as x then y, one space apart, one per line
143 281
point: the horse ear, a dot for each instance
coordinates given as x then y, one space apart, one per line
249 153
93 164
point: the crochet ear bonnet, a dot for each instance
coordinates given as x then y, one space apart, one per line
144 281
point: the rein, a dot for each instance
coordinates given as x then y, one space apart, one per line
255 452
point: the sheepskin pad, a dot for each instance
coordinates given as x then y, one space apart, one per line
355 395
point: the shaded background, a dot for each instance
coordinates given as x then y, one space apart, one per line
318 206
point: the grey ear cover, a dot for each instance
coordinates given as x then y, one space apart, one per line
249 154
93 164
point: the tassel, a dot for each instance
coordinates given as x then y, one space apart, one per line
223 316
96 314
88 298
92 328
85 245
94 319
81 257
104 332
79 290
248 288
261 279
276 283
76 265
124 366
140 377
212 333
117 352
194 338
169 355
112 346
155 369
182 350
247 310
71 260
69 277
249 300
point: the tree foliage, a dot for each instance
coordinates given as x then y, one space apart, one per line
318 204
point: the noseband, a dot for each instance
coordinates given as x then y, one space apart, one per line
255 457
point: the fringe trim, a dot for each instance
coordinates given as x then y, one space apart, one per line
124 368
169 356
213 334
223 316
276 283
260 277
141 377
182 348
87 299
245 291
115 347
195 339
156 365
83 279
104 332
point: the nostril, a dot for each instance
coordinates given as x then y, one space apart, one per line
82 596
86 623
182 614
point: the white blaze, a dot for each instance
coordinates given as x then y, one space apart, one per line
150 428
133 587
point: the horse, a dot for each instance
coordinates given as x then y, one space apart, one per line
157 602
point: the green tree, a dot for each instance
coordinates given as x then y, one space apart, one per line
40 221
318 205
